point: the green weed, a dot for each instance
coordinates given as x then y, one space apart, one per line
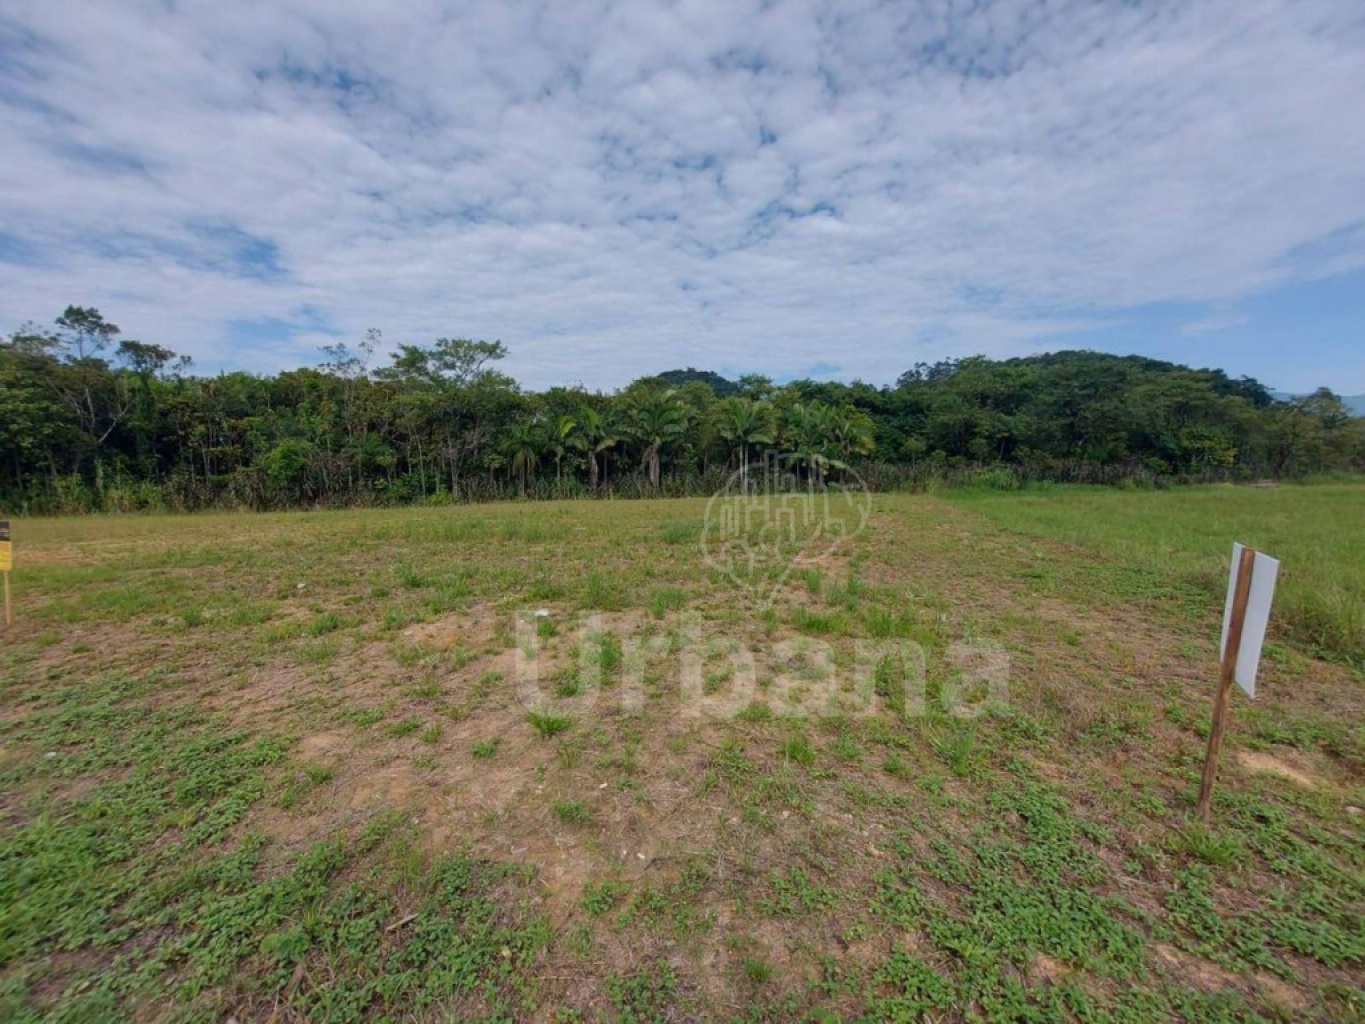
667 599
548 725
572 812
405 727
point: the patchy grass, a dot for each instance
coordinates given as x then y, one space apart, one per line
572 812
281 767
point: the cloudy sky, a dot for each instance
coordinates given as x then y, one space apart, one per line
793 188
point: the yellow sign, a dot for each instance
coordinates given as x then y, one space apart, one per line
6 563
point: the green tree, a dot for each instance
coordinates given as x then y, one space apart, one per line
595 436
460 403
560 437
35 427
851 433
149 365
98 399
744 423
657 420
454 361
524 445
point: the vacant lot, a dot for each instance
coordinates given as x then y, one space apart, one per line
279 768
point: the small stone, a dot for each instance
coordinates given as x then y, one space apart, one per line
1350 808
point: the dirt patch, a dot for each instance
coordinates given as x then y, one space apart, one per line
1045 968
397 786
474 629
1261 763
1280 992
1207 976
640 809
322 744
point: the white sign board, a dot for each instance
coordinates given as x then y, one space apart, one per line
1263 572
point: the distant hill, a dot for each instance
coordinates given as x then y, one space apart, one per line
722 386
725 387
1356 403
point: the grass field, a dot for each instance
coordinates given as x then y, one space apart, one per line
1317 531
280 767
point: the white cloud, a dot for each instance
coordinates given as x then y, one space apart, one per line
1218 320
619 189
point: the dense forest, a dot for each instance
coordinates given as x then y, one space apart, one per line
92 421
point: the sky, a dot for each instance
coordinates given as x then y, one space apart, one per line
799 189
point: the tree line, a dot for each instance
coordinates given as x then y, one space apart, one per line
90 420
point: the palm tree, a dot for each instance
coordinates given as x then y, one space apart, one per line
744 422
851 433
523 449
594 436
826 437
656 420
807 432
561 440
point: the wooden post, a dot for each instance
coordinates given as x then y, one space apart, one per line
1223 701
9 611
